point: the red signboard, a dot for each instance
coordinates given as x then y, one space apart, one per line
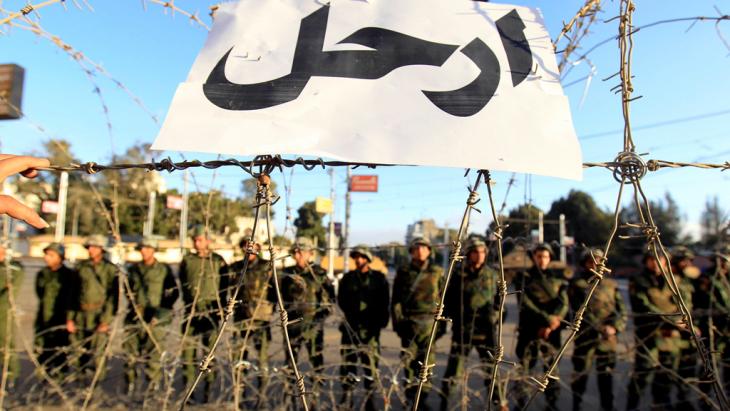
364 184
175 202
49 207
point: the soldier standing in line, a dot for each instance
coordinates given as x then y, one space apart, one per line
603 320
543 306
308 295
416 293
712 299
200 279
470 306
98 300
682 262
11 278
364 297
55 286
253 313
155 292
658 331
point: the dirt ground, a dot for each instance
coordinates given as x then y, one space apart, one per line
112 393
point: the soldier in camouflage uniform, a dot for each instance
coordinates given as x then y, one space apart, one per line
712 300
364 297
470 306
658 337
11 278
200 279
308 294
255 307
416 294
543 305
682 262
603 320
55 287
98 300
155 292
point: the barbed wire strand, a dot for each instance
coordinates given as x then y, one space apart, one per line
426 367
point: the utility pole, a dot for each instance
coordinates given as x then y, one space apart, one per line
61 216
563 251
446 247
346 228
540 228
184 212
150 224
331 236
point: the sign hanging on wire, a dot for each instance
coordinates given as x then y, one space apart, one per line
421 82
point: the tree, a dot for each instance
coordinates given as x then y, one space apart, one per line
715 224
309 223
520 221
585 221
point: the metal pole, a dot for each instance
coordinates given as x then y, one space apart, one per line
540 228
346 228
150 226
563 251
184 212
61 216
331 236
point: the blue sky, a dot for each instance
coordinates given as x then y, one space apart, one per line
681 74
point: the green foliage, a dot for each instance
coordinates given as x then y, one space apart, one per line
520 221
715 224
585 221
309 223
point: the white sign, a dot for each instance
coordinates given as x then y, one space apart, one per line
423 82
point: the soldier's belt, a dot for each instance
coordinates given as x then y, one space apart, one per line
91 306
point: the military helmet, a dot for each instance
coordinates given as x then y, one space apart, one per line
681 252
590 254
58 248
419 241
199 230
302 244
96 240
148 242
363 250
543 246
473 244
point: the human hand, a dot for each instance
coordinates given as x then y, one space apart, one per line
70 326
544 332
102 328
26 166
554 322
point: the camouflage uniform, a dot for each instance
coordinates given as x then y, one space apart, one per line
658 339
364 298
416 294
55 291
606 308
155 292
253 313
308 294
544 295
200 279
11 278
469 304
97 304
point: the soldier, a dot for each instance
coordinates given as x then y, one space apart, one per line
712 299
308 294
253 313
11 278
200 278
55 286
416 294
603 320
364 297
97 302
682 262
658 337
543 305
470 306
155 292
